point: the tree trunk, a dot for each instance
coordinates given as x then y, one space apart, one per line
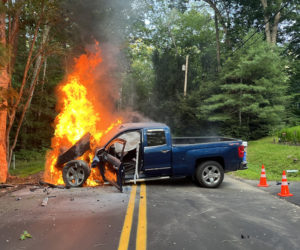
271 33
36 71
266 19
13 39
15 107
275 28
42 88
38 62
213 5
4 82
218 43
31 90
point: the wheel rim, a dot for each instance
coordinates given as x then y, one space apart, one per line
211 175
75 175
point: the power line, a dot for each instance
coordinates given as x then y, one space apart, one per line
258 30
261 37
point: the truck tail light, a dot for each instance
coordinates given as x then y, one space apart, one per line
241 150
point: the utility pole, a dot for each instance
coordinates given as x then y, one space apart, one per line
185 68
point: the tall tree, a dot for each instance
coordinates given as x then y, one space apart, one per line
271 28
252 93
4 83
18 83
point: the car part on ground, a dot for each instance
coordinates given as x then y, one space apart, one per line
75 173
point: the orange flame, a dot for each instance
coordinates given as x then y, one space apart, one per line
81 111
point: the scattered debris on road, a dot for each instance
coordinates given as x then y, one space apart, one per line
35 188
6 185
43 183
44 202
25 235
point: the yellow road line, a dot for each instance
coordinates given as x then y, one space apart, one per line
141 238
125 235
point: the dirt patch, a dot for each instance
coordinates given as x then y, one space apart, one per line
31 179
15 183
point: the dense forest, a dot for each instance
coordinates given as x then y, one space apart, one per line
209 67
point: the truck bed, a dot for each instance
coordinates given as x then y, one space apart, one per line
197 140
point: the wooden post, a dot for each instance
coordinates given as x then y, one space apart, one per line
186 74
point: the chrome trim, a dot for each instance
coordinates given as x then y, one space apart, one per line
155 130
157 168
149 179
156 146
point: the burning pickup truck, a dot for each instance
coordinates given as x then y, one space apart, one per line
135 152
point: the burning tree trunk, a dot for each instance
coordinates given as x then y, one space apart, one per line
4 82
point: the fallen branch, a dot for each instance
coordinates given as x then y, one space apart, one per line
6 185
43 183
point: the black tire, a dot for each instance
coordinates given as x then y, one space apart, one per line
75 173
210 174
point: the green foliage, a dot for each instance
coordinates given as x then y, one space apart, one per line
28 162
250 97
24 168
291 135
154 85
30 155
138 83
294 92
252 93
275 157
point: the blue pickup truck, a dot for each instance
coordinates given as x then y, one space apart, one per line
136 152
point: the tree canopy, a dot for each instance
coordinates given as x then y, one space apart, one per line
242 75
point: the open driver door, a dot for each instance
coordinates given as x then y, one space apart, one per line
110 162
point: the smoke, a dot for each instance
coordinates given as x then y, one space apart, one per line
133 116
107 22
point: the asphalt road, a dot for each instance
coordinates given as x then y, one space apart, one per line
159 215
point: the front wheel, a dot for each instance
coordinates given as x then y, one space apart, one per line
210 174
75 173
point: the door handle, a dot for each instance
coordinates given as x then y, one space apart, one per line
165 151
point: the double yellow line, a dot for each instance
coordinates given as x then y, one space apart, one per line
141 237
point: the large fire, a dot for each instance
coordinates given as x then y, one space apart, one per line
82 109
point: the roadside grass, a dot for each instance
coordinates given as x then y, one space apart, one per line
291 135
275 157
28 163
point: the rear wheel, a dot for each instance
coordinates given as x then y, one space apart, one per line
75 173
210 174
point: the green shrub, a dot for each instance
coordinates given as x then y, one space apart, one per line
291 135
28 162
275 157
29 155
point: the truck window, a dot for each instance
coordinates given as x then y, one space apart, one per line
156 137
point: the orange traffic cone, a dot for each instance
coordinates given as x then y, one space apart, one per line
263 178
284 186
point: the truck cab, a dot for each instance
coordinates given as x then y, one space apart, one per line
146 151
